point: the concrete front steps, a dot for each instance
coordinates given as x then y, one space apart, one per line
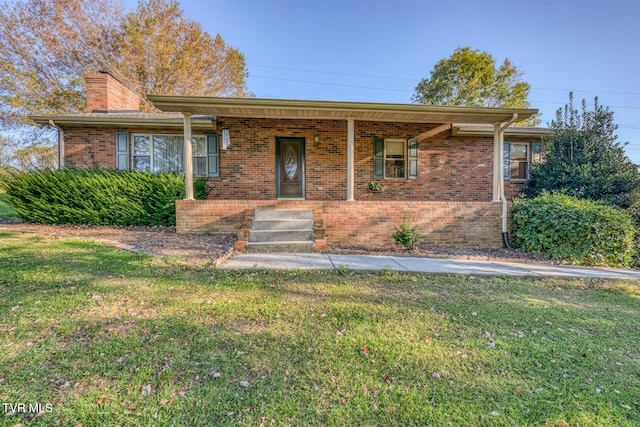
280 230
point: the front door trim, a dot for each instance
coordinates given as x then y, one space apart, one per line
279 170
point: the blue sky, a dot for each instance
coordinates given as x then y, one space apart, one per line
373 50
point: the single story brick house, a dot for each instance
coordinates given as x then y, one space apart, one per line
450 170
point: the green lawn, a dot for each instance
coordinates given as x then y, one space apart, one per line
108 338
6 212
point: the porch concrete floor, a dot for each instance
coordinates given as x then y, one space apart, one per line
367 263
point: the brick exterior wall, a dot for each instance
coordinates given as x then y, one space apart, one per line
513 189
105 93
463 224
95 147
90 147
450 201
450 168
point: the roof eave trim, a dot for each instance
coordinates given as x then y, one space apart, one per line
515 131
119 122
185 103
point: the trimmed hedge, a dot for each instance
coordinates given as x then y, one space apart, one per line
566 228
96 196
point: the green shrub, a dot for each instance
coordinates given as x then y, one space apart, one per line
634 211
6 212
95 196
566 228
200 188
406 235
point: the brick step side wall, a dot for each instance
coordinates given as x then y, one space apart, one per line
462 224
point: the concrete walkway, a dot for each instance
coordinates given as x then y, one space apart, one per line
367 263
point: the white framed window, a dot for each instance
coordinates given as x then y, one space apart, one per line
517 158
199 154
160 153
395 158
142 152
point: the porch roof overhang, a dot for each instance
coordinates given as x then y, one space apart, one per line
126 120
336 110
464 129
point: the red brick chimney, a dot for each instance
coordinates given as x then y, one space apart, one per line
105 94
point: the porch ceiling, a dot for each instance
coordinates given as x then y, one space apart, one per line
335 110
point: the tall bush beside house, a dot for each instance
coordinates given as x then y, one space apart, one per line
566 228
634 211
583 158
94 197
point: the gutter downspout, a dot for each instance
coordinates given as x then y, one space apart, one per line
503 199
60 144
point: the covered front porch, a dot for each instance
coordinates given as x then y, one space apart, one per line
450 187
435 120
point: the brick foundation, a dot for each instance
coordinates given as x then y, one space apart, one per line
461 224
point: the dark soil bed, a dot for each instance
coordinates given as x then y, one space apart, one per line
197 250
212 250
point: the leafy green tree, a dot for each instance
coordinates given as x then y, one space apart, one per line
584 159
472 78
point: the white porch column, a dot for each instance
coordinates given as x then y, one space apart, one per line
501 162
350 159
188 158
497 162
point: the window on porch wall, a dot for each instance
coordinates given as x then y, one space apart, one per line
518 157
395 158
165 154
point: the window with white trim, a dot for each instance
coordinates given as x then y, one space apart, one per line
519 161
199 154
395 158
165 153
518 157
395 155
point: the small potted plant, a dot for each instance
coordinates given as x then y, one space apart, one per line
375 187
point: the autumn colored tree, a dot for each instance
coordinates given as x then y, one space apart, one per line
165 53
472 78
46 47
6 151
22 154
36 158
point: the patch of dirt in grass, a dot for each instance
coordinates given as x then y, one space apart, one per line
246 326
190 249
